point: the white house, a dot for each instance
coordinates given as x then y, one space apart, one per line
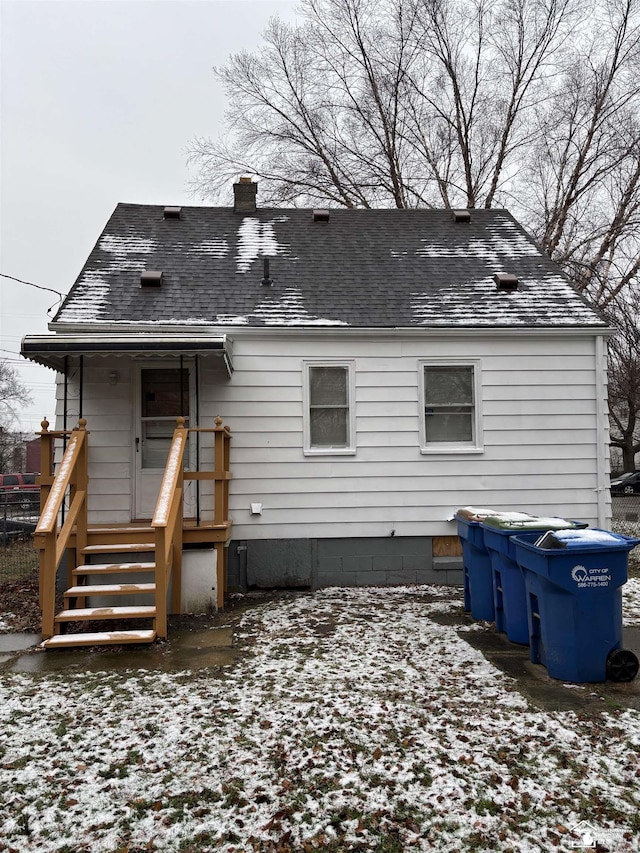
377 369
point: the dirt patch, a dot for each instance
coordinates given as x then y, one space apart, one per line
19 606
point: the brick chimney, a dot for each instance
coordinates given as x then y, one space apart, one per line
244 196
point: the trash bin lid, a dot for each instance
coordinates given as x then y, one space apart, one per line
522 522
594 538
474 513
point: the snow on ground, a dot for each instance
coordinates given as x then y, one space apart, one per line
631 602
354 721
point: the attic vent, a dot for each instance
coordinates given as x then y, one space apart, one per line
172 212
151 278
461 215
506 281
320 215
266 281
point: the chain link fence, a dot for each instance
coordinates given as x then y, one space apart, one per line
626 519
18 519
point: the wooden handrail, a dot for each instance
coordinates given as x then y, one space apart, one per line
49 515
167 522
72 475
71 478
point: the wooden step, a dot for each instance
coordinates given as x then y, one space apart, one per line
121 548
109 589
113 568
99 638
83 614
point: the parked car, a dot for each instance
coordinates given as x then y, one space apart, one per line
626 484
19 488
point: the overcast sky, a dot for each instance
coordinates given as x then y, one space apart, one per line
98 100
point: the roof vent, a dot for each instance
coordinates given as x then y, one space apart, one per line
172 212
244 196
506 281
320 215
461 215
151 278
266 281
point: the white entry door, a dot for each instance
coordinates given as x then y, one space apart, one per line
163 394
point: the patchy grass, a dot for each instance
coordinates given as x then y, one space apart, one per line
387 733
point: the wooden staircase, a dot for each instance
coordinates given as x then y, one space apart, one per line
101 559
93 581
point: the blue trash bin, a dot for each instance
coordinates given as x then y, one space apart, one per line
509 597
476 563
573 584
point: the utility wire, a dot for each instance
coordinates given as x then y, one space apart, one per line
38 286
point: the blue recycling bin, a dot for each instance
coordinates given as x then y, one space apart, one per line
573 585
476 563
509 596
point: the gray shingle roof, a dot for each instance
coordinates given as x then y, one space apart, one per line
363 268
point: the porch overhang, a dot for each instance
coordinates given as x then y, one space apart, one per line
51 350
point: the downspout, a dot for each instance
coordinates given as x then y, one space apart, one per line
602 432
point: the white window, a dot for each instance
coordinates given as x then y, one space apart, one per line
449 400
329 419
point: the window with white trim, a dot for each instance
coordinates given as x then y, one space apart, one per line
329 421
449 403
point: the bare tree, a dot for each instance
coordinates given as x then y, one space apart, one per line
624 380
529 104
12 393
586 208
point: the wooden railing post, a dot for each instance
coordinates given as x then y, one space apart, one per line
46 461
46 472
176 543
80 483
221 455
167 522
51 541
162 572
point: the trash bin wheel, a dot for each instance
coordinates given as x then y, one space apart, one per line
622 665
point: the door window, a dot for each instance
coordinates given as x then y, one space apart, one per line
164 397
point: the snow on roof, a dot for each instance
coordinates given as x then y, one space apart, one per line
362 269
255 239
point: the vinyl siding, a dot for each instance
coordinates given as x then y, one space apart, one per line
539 422
108 411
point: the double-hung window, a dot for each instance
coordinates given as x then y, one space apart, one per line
329 420
450 406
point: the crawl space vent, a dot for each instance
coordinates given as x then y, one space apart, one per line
506 281
151 278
